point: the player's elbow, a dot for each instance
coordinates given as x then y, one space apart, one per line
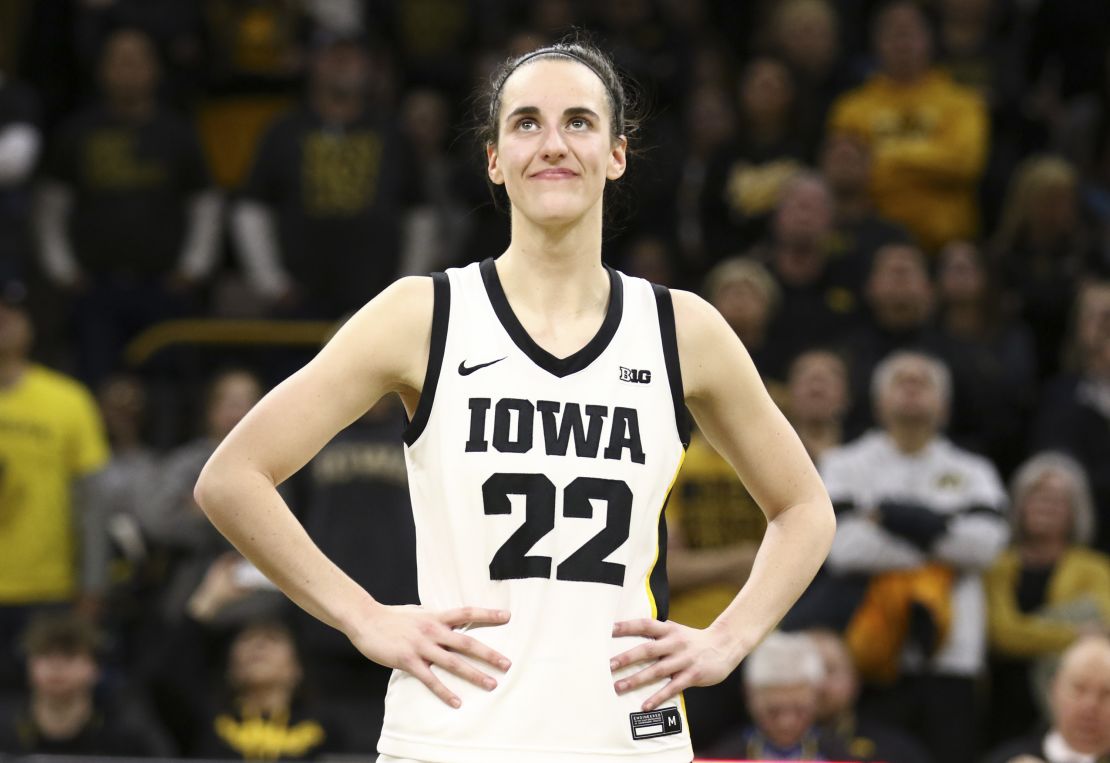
213 487
825 526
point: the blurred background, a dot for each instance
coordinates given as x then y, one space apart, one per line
193 192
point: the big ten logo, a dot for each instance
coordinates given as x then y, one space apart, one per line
636 376
111 162
340 172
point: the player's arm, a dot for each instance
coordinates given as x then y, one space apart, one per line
383 348
734 411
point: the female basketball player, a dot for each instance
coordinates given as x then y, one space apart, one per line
547 397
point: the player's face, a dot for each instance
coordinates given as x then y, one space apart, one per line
555 150
784 713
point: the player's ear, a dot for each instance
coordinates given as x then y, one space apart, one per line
493 168
618 158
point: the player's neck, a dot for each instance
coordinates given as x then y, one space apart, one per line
555 269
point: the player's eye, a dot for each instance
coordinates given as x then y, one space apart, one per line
579 123
527 124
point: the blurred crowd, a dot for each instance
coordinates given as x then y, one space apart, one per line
902 207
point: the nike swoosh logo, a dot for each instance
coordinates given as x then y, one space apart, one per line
465 370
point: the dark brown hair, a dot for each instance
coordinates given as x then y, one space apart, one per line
61 633
622 107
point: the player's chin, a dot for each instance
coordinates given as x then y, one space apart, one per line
558 209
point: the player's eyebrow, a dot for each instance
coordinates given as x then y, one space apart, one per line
573 111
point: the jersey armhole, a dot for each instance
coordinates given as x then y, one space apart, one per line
669 336
441 311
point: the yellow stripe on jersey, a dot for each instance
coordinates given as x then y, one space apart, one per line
651 569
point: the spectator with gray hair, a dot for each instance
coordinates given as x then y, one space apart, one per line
919 520
1047 589
782 677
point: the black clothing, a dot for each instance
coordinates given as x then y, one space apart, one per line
336 193
131 184
939 710
353 499
102 735
1070 420
809 316
852 247
741 189
993 391
865 739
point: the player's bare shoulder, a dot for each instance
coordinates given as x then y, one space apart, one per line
702 334
389 337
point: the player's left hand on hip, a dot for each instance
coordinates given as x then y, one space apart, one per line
687 656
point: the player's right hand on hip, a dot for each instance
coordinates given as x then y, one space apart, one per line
412 639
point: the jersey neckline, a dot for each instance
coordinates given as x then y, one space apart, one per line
556 366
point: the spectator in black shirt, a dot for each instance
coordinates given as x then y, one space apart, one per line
900 296
127 219
61 715
354 503
817 307
1043 248
266 716
992 360
806 33
745 178
858 230
318 224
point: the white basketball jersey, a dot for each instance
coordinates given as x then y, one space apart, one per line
538 486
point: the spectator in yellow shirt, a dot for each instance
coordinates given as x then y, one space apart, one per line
51 441
929 135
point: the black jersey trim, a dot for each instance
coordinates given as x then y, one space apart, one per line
669 336
657 580
556 366
441 311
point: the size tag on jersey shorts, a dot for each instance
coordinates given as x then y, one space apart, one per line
656 723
